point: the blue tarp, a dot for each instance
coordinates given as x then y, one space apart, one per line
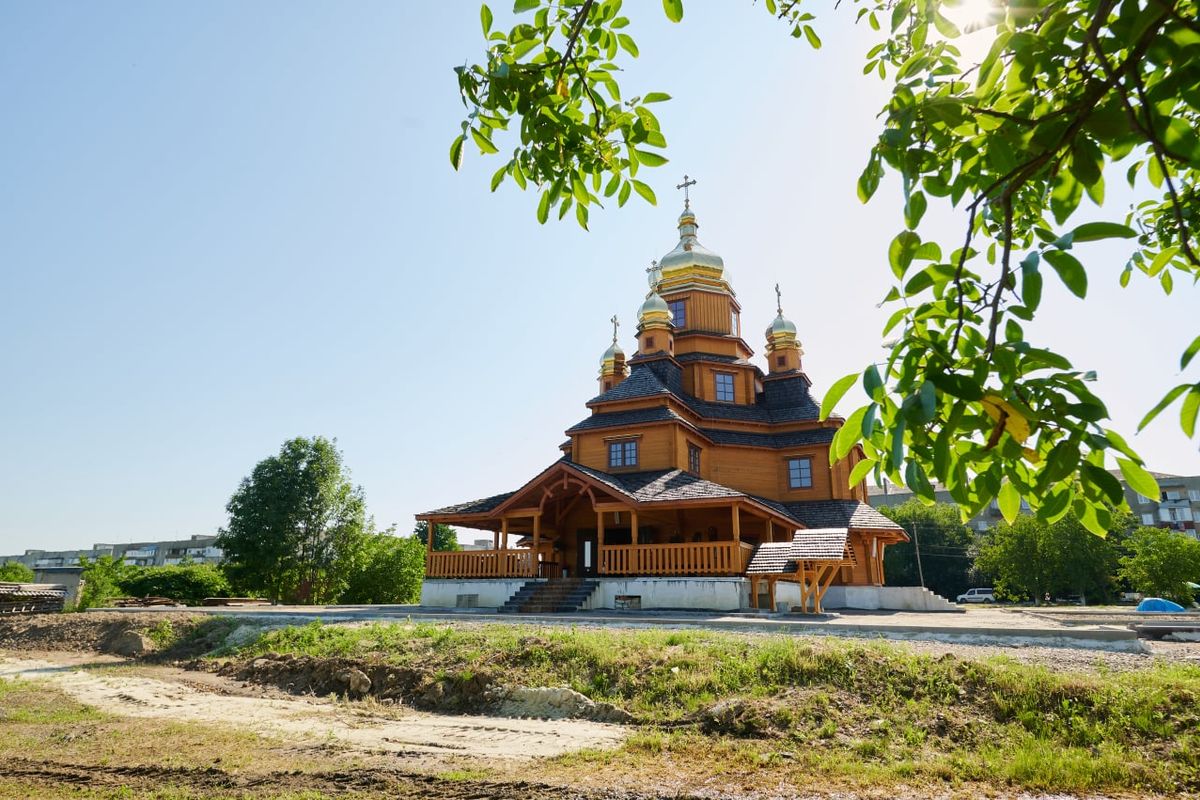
1158 604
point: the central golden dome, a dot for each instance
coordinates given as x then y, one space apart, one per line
691 264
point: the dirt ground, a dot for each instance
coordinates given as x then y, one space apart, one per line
129 728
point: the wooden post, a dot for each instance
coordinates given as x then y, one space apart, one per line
428 545
753 592
633 526
771 593
737 524
537 540
770 531
599 541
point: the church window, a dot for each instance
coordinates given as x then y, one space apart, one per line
623 454
724 386
735 324
678 313
780 361
649 341
693 459
800 473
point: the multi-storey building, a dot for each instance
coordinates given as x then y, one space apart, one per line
199 549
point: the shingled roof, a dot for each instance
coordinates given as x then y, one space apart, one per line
840 514
474 506
778 558
636 416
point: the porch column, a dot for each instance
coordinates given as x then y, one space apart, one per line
537 540
599 541
633 526
770 530
502 556
737 524
428 546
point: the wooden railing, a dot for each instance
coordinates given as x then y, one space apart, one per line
480 564
688 558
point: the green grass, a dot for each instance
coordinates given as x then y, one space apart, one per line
864 711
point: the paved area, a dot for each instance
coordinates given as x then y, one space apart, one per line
978 625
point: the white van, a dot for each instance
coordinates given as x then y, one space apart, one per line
978 596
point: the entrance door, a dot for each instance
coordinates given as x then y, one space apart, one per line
586 554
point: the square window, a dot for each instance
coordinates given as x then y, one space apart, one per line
780 361
623 454
800 473
693 459
735 324
678 313
649 341
724 386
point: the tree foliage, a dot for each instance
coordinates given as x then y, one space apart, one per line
296 525
187 583
390 571
101 579
1162 563
945 545
1071 94
15 572
444 537
1030 558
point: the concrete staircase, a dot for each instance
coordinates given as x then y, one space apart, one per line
561 595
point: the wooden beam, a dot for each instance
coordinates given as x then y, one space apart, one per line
771 593
504 533
770 530
633 525
537 540
753 592
599 541
737 523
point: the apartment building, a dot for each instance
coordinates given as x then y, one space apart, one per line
199 549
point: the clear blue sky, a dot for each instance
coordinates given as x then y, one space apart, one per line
224 224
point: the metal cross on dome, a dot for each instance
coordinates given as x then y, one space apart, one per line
616 324
778 300
687 182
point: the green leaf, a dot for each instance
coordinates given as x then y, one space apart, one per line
456 151
645 191
656 97
1009 500
499 177
543 211
1091 231
835 393
581 215
674 9
650 159
1189 411
1069 270
628 44
1190 353
847 436
1168 398
485 18
901 252
623 197
914 209
944 26
812 37
525 5
1138 478
484 143
860 471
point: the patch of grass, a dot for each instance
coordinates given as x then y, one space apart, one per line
861 710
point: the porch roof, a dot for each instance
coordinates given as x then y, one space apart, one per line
782 558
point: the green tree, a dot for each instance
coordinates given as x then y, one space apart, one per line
102 579
15 572
1162 563
945 544
296 525
187 583
1070 92
391 571
444 537
1031 558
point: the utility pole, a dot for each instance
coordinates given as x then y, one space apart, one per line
917 548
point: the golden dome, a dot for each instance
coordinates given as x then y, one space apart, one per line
781 333
654 309
691 263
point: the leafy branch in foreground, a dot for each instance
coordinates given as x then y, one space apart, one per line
1070 92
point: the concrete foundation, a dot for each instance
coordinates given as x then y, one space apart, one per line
468 593
892 598
696 594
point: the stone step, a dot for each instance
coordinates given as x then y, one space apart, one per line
554 596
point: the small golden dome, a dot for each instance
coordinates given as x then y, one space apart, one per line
689 252
612 353
654 309
781 326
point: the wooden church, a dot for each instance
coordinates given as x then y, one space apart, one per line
698 480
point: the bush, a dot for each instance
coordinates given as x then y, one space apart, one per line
391 571
187 583
15 572
101 581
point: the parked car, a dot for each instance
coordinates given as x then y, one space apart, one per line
978 596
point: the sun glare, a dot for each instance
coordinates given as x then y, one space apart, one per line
973 15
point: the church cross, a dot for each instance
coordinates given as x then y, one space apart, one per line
687 182
616 324
778 300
